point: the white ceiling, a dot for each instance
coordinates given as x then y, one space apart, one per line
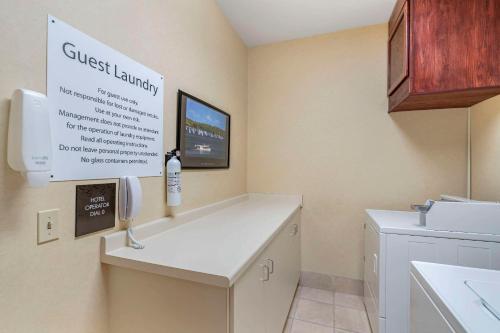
268 21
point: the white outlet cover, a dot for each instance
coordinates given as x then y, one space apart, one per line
48 225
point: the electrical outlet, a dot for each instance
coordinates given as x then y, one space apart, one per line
48 225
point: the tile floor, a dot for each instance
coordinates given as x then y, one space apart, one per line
323 311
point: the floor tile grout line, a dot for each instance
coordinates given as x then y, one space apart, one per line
314 300
312 322
326 326
297 297
352 308
330 291
334 304
348 331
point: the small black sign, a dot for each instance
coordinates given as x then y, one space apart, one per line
95 208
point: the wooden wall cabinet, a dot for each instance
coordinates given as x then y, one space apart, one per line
443 53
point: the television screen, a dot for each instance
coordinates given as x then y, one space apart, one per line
202 133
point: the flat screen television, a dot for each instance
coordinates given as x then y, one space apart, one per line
203 134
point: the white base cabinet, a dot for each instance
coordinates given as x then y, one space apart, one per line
261 298
388 252
258 302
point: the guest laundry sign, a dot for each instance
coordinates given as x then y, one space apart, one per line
106 110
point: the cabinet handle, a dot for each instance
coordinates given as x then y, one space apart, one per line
271 266
295 230
265 273
375 264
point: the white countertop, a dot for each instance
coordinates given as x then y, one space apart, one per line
461 307
211 245
407 223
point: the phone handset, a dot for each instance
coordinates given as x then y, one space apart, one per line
130 203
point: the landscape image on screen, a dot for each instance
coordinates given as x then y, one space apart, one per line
205 131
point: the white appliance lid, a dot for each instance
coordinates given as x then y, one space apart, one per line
461 306
488 294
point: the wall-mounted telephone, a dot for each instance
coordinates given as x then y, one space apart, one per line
130 198
129 205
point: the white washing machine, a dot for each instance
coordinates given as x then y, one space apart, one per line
392 240
453 299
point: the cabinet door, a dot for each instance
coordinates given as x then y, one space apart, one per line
284 263
247 299
398 50
291 256
262 296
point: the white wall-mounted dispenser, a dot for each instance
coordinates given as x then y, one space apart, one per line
29 148
130 204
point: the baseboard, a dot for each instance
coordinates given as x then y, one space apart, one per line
331 282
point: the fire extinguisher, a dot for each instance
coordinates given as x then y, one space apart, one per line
173 179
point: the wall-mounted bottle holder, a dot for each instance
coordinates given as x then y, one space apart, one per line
29 148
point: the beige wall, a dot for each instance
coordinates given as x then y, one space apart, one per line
485 150
318 125
59 286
